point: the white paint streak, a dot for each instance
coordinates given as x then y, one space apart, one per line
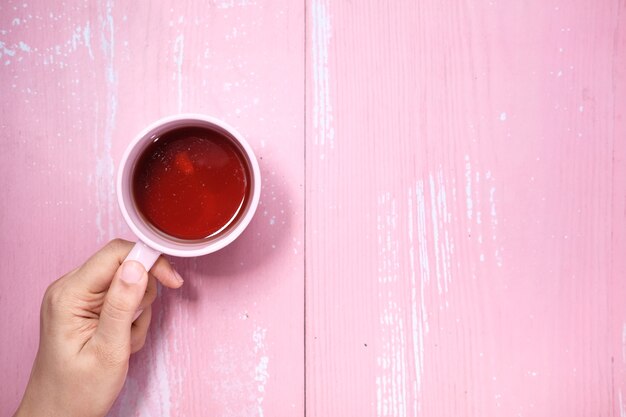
105 168
179 46
156 396
446 217
492 203
180 348
416 330
423 246
161 378
494 224
435 224
87 39
6 51
24 47
468 187
475 205
322 107
229 4
391 384
622 409
261 374
419 323
442 242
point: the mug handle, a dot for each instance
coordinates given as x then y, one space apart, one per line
143 254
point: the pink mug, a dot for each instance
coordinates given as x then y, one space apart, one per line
151 244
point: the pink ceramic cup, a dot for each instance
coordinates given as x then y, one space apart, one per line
151 243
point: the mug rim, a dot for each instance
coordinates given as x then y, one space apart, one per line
198 248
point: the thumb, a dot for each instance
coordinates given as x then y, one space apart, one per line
120 304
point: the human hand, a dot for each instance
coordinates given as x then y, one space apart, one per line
88 330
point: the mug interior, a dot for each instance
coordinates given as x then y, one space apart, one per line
154 237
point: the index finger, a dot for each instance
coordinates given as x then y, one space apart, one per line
97 272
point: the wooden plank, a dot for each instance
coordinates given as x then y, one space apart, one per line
78 81
617 306
465 213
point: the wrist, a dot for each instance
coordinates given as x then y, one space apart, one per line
29 409
37 402
42 398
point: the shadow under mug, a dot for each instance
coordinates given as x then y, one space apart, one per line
151 243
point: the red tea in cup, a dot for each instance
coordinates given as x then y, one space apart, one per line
192 183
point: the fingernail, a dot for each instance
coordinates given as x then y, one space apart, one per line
132 272
177 276
137 314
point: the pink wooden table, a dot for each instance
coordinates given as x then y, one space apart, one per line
442 229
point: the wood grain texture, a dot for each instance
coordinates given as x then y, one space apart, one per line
465 208
465 200
78 81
